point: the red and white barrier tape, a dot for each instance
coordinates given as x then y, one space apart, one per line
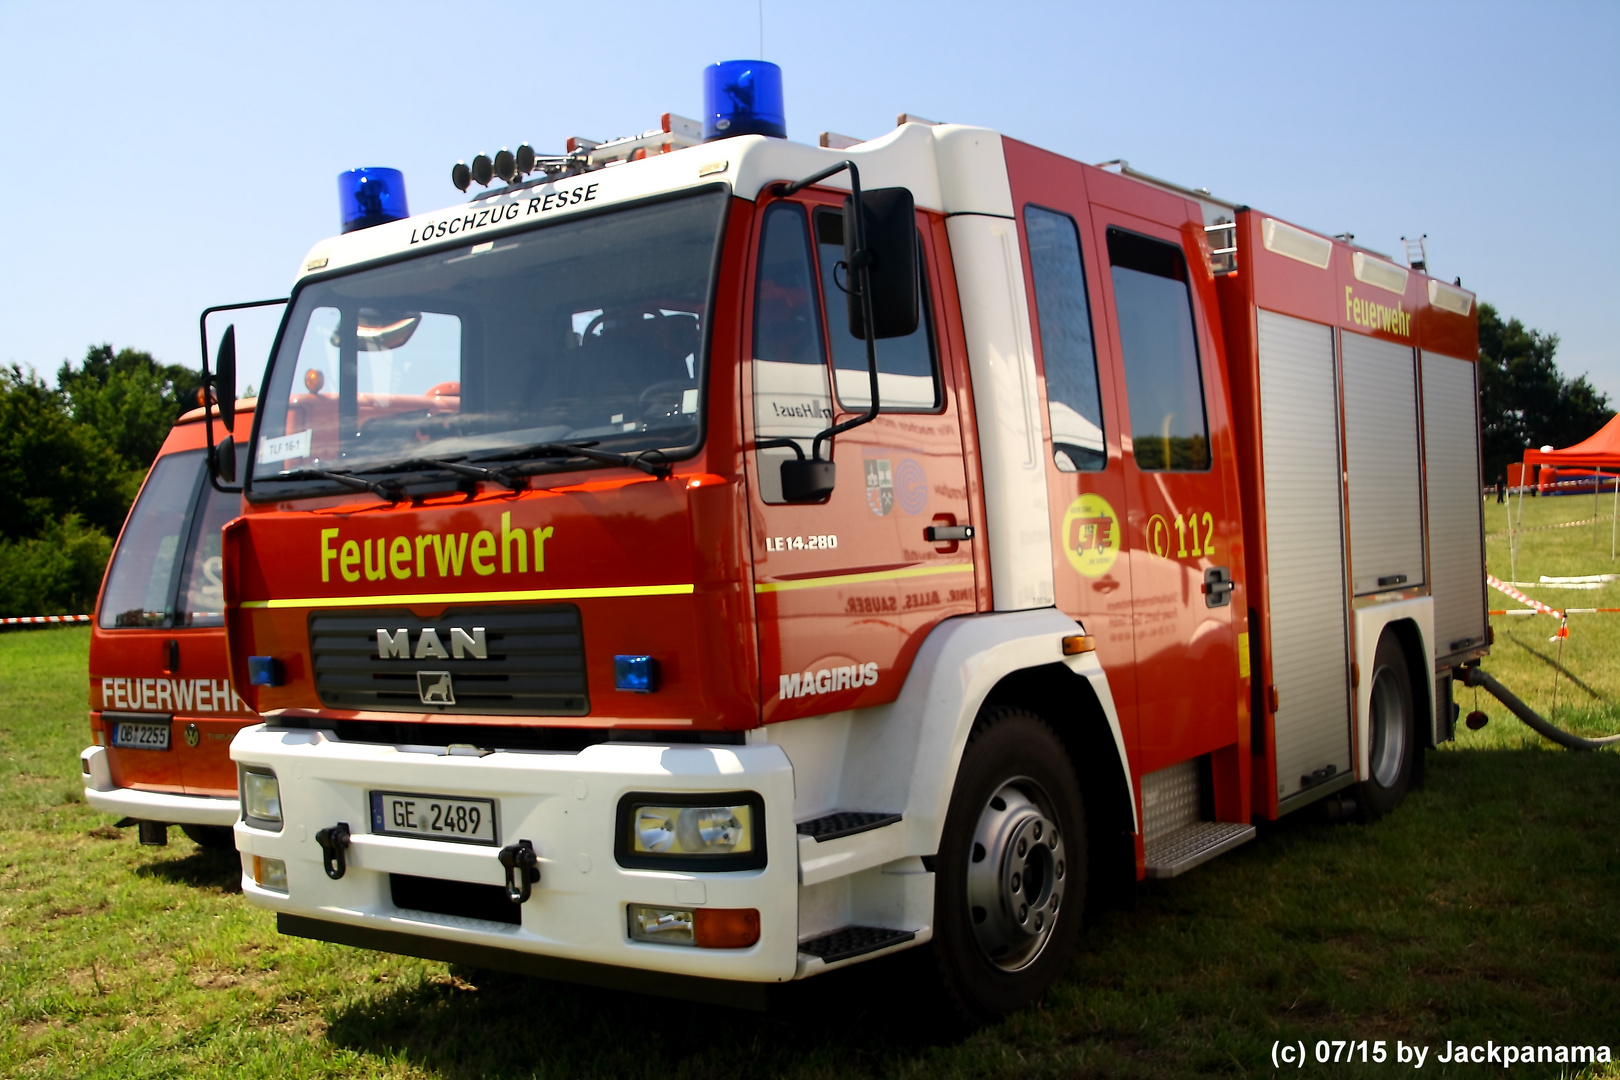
31 620
1543 528
1507 590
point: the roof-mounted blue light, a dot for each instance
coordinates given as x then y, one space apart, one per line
368 197
742 97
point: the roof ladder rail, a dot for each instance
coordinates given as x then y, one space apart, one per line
1417 252
1222 259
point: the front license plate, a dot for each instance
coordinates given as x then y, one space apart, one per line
141 736
433 817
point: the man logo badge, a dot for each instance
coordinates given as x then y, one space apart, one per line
434 688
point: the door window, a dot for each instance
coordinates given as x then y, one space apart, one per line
1160 353
792 398
1073 401
202 588
908 369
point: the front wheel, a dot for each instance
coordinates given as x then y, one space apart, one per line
1392 731
1010 877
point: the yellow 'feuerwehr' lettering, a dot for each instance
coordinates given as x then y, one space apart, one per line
328 553
1392 320
520 550
399 557
483 549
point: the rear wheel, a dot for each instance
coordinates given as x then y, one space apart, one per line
215 837
1010 880
1391 718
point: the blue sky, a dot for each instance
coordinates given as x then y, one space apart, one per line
158 159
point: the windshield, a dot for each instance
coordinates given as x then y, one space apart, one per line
588 331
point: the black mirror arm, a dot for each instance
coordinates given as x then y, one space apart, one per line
208 411
860 264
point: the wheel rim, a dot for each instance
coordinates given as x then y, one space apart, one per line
1388 728
1016 875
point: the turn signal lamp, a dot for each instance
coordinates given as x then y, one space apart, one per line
707 928
269 873
637 674
742 97
373 196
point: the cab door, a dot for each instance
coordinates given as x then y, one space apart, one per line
845 590
1177 467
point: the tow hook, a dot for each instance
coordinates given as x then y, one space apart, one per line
334 842
522 870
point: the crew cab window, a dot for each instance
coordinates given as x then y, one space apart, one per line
908 367
1160 351
792 398
1073 401
140 587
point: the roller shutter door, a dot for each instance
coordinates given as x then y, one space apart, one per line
1299 424
1456 528
1381 451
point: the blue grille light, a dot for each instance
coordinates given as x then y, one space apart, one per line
637 674
264 671
742 97
370 197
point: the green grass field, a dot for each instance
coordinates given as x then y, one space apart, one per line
1487 909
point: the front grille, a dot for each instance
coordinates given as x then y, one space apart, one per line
533 663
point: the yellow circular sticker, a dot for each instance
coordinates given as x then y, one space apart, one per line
1091 535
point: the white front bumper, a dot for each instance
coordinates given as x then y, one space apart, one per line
163 806
566 805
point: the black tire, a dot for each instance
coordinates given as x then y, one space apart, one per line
1009 888
1392 720
213 837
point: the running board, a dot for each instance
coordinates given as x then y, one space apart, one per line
851 941
1177 852
844 823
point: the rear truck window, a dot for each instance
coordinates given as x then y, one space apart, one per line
495 354
1160 353
1063 311
202 586
140 589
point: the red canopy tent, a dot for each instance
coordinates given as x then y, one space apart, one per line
1601 451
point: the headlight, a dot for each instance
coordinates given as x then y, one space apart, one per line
261 799
719 831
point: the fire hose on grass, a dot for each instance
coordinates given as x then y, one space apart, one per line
1473 676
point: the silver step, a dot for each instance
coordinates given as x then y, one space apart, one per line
1177 852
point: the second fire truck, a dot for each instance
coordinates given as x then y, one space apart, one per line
656 573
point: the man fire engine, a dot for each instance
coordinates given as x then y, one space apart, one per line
657 573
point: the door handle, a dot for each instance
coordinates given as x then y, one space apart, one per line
1218 586
1105 584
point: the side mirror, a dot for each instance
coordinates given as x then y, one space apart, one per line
225 460
890 220
225 379
805 480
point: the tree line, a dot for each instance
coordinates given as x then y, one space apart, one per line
73 455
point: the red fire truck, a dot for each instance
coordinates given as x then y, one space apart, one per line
162 710
790 585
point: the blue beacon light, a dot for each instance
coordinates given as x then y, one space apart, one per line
368 197
742 97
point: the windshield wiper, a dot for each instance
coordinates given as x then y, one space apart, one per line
505 477
384 490
585 449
